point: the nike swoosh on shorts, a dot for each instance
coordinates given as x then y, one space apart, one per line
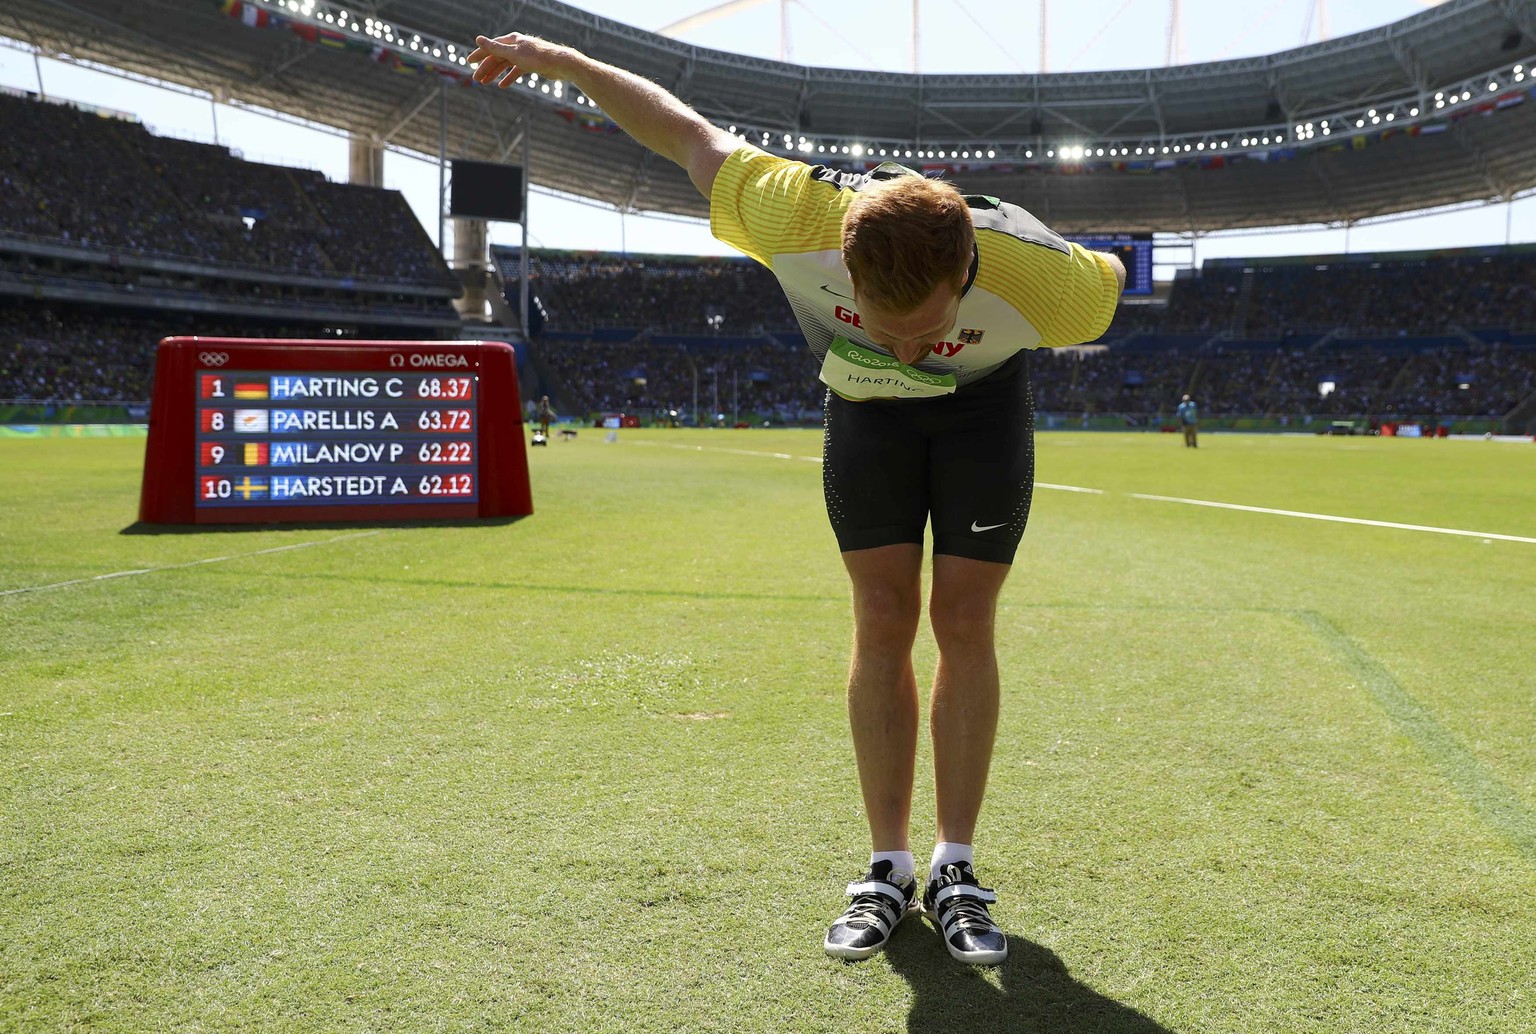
989 527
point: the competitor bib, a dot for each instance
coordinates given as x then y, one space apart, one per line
860 373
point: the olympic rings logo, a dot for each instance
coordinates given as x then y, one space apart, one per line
213 358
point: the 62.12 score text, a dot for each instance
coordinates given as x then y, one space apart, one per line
306 487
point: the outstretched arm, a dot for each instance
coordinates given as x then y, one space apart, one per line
642 109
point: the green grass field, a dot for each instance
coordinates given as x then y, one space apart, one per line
589 770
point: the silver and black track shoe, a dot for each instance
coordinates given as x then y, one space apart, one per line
879 901
959 907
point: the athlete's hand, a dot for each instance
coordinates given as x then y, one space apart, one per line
504 58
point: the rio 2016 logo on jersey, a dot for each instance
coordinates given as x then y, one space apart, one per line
943 348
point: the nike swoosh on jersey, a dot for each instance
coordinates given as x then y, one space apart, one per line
828 288
989 527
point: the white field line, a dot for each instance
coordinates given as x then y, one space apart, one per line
721 448
1338 520
190 563
1165 499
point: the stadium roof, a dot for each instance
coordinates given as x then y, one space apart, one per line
1428 111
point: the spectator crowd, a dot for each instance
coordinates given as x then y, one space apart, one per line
585 291
80 353
1451 334
775 381
76 177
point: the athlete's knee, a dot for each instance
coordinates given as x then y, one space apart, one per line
962 621
886 614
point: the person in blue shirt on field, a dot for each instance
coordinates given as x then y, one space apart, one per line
1189 419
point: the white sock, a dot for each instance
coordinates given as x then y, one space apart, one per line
901 861
945 853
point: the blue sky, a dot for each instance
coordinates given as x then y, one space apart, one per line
954 35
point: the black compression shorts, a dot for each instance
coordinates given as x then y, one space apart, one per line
966 460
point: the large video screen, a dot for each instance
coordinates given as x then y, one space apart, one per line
486 190
1133 249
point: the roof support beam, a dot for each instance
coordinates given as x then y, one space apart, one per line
422 97
1479 160
1520 15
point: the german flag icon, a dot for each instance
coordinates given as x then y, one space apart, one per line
250 389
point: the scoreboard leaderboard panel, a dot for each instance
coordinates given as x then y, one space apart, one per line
302 439
268 431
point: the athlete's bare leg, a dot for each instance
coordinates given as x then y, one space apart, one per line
963 720
882 690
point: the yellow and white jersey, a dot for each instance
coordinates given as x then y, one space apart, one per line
1027 287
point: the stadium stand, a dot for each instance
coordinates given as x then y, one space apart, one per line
127 189
1390 334
710 297
137 237
145 236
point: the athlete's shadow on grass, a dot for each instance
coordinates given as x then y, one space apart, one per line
1038 995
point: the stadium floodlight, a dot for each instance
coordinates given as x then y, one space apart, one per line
1492 87
993 154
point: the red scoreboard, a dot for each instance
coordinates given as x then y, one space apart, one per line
246 431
